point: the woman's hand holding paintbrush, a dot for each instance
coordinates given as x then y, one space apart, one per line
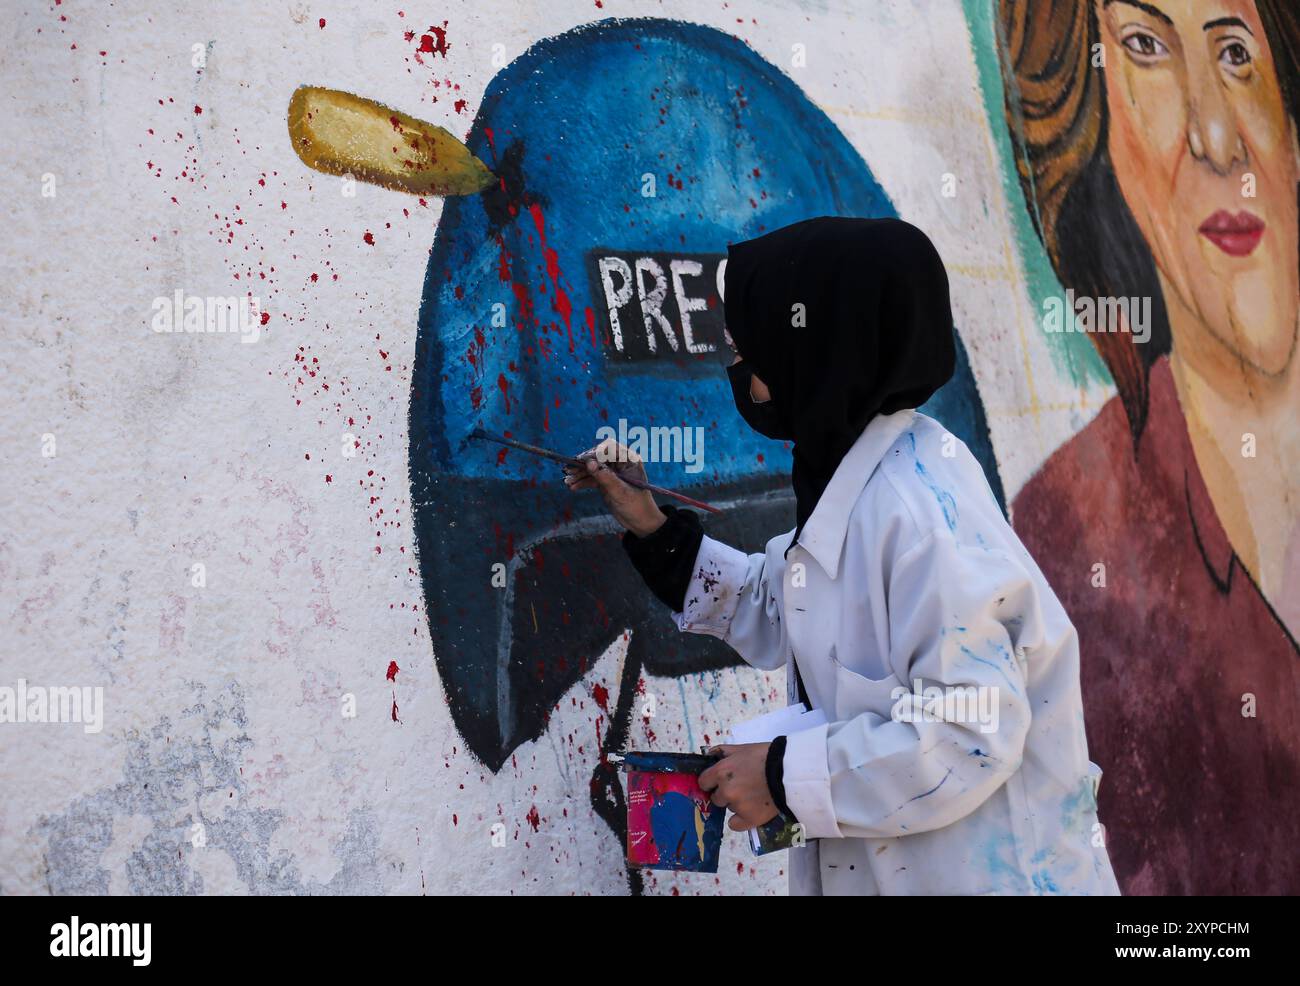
623 482
631 506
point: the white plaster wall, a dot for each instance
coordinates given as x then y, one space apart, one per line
223 702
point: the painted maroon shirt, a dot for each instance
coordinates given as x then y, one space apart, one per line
1196 798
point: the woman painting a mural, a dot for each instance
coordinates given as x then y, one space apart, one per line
1157 147
901 601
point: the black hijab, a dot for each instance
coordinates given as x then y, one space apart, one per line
876 334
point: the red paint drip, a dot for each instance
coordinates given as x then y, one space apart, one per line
561 304
503 260
392 670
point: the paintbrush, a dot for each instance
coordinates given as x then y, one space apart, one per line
572 460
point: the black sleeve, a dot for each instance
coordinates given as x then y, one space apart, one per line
666 557
775 771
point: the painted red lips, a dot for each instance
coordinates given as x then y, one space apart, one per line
1236 235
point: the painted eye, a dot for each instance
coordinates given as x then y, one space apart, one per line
1235 54
1145 46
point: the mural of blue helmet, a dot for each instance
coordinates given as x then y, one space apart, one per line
584 288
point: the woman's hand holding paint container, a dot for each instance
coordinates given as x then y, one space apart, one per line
635 509
738 782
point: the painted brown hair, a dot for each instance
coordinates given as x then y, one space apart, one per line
1056 114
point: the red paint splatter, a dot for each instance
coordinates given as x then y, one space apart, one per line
503 260
562 304
322 23
198 110
369 238
534 819
392 670
601 694
435 42
395 719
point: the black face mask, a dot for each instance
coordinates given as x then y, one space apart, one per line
762 417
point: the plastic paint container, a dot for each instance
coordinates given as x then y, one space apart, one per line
671 823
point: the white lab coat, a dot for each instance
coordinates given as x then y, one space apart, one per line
907 573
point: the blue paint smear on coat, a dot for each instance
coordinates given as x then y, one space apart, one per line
1006 656
1044 884
945 499
1077 809
1001 862
1051 872
946 503
926 794
974 657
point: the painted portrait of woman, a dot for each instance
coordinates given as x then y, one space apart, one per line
1158 149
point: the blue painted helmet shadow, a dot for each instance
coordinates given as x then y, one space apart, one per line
516 334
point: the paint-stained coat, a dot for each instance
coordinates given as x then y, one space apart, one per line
905 579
